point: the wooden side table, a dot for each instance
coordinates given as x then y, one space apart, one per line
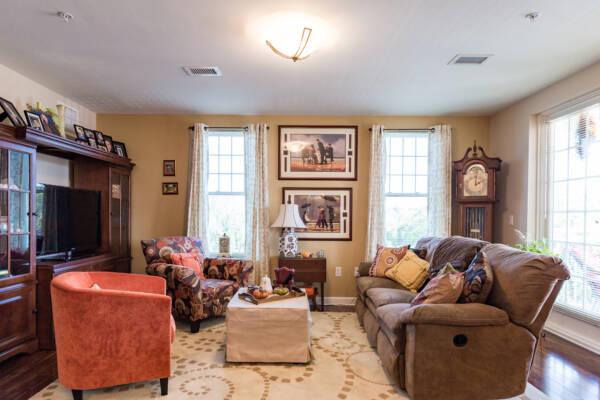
309 270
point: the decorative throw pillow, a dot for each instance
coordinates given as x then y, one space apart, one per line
458 265
410 272
420 252
479 279
444 289
190 260
385 259
448 269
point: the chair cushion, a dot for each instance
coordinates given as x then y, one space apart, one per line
410 272
443 289
190 260
478 280
364 283
216 294
160 250
385 259
388 317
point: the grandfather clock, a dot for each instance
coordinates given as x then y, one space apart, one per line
476 192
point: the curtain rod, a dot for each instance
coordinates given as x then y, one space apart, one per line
406 130
224 128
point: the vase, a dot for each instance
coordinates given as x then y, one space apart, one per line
60 123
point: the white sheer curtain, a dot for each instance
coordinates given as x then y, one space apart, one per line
439 202
197 193
257 199
375 224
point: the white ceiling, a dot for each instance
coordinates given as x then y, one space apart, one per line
390 57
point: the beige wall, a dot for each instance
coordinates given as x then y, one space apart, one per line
512 138
153 138
21 90
510 133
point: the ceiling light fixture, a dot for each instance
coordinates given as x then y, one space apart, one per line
67 17
299 51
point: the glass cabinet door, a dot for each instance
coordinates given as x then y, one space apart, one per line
119 219
15 211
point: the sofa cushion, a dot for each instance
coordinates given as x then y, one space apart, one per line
378 297
410 272
456 249
443 289
479 279
388 317
364 283
385 259
522 281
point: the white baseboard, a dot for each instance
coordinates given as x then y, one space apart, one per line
337 301
577 332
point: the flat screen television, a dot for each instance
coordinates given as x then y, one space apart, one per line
68 220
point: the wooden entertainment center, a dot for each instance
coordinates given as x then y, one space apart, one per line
25 307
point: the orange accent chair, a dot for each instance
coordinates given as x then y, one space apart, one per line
118 334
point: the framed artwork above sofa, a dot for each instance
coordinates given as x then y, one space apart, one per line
326 212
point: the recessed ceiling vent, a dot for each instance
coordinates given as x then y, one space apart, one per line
469 59
202 71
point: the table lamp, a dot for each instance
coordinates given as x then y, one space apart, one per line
288 219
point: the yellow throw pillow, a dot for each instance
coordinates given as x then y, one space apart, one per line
410 272
385 259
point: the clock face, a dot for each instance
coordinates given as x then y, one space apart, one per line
475 181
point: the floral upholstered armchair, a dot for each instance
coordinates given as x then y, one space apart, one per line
193 298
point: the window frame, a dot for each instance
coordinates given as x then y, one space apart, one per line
387 136
228 132
540 226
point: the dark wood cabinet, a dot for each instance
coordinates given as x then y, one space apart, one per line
17 248
308 270
25 306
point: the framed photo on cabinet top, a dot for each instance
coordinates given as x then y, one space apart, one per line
318 152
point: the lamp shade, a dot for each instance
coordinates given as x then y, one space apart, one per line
288 217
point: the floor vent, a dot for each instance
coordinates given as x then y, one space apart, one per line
471 59
202 71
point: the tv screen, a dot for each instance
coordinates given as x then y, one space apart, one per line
67 219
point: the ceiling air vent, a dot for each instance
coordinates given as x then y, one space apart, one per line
202 71
470 59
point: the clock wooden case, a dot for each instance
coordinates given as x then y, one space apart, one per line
476 192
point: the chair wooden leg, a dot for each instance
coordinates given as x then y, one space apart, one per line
195 326
164 386
77 394
314 300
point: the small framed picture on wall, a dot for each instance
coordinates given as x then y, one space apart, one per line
168 167
170 188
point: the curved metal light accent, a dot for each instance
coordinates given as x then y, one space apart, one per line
301 47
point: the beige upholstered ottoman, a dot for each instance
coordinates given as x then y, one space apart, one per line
272 332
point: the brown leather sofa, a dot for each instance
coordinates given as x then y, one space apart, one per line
462 351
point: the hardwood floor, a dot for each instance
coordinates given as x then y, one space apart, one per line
560 369
563 370
24 375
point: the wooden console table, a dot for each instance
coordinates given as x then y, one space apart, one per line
309 270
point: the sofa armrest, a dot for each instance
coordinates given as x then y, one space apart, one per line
363 268
129 282
472 314
232 269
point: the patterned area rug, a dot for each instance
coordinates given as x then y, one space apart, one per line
344 367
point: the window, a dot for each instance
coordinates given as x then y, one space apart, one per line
572 207
226 190
406 188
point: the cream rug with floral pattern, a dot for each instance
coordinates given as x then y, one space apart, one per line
344 367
